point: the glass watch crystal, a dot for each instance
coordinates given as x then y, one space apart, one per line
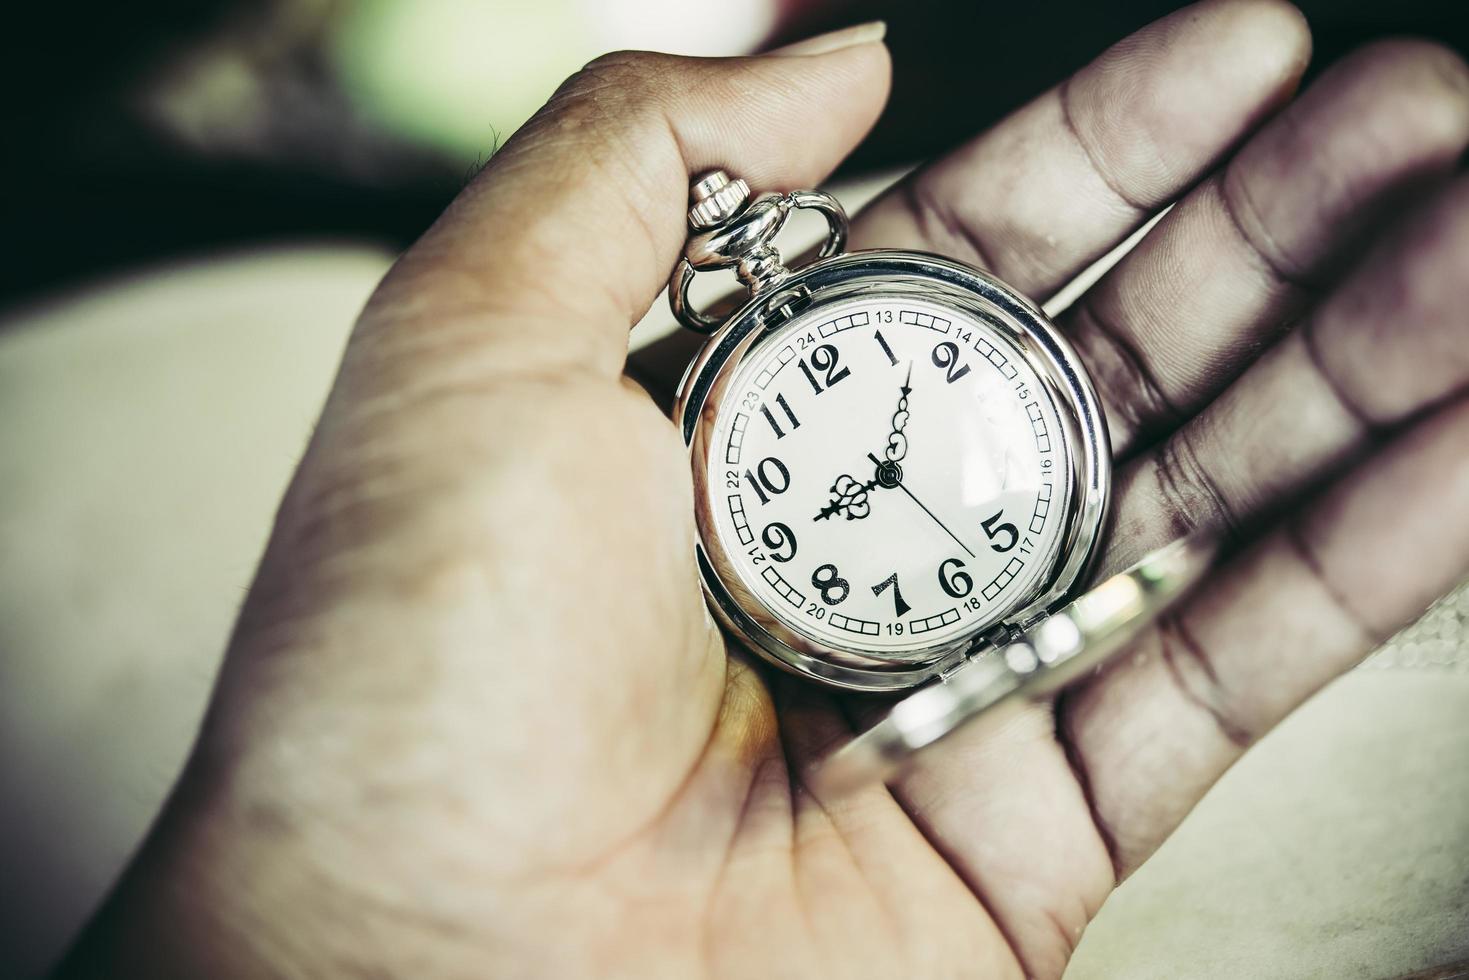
893 472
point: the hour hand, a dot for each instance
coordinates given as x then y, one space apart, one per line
849 497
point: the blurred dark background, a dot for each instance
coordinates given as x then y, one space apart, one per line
139 132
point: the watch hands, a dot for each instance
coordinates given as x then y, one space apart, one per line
899 484
851 499
849 494
897 446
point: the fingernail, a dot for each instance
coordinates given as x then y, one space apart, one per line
847 37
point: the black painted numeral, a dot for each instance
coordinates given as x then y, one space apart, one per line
762 480
776 537
785 406
993 531
825 578
823 359
946 356
892 358
900 607
957 585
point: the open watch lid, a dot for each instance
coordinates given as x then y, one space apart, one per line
1058 649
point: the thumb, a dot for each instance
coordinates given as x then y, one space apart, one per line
566 237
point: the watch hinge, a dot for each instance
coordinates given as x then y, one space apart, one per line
784 304
997 637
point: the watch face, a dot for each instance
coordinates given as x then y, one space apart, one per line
887 476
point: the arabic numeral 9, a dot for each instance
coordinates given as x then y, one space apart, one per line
776 537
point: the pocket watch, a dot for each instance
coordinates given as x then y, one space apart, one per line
901 473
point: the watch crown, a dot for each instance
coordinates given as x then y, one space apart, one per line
715 199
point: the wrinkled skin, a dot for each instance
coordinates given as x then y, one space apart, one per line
475 720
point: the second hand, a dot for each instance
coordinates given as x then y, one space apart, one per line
930 513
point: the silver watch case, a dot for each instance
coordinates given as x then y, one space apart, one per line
894 273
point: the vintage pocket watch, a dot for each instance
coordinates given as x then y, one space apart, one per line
901 472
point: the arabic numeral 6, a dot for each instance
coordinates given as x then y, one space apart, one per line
955 583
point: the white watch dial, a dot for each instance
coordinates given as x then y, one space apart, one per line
888 475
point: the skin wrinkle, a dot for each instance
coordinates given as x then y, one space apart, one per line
929 211
1295 536
896 932
491 380
1370 427
849 716
323 502
1103 174
1173 628
797 890
975 886
756 780
946 854
1261 244
801 790
770 776
1156 408
1071 749
1178 465
614 849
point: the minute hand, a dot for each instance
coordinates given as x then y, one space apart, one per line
899 485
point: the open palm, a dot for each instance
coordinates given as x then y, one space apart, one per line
475 719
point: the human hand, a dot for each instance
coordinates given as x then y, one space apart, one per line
475 719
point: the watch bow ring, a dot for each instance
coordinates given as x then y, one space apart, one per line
901 476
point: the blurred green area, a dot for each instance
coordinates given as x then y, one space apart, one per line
457 73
